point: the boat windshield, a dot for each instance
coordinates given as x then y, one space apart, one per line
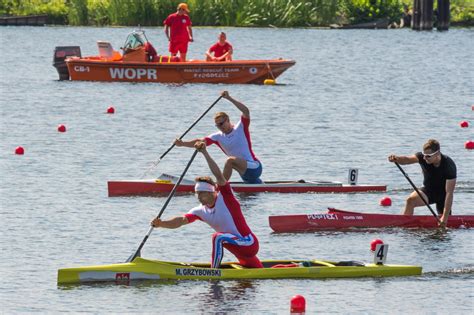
134 40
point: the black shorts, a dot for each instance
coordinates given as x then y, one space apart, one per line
437 197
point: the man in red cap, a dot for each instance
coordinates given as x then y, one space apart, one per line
178 31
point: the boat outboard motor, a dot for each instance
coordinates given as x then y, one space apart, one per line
60 54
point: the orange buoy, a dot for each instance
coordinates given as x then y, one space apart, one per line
469 145
464 124
111 110
19 150
61 128
298 304
386 202
374 244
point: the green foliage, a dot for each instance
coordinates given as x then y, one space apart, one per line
462 11
279 13
245 13
55 9
98 12
78 12
360 11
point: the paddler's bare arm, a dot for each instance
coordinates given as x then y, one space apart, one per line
448 201
216 171
188 144
244 109
403 159
172 223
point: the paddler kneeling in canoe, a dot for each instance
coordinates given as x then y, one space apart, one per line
439 180
220 209
235 142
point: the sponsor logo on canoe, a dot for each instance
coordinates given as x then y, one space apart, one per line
133 73
162 181
122 276
198 272
324 216
82 69
352 217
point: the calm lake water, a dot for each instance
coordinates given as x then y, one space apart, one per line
354 97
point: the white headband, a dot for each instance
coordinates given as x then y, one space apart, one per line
203 186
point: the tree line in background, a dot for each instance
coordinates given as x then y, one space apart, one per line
243 13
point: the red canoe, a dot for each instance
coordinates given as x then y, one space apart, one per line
339 219
164 184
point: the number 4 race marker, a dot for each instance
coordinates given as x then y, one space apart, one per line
380 254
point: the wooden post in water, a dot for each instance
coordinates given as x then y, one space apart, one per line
422 15
415 19
443 15
427 15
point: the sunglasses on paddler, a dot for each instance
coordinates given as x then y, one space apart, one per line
430 155
220 124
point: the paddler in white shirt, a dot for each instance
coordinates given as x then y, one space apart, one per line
235 142
221 211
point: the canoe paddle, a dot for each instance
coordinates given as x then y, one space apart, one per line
137 253
155 164
417 191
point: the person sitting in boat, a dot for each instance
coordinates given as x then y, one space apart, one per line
234 140
150 52
222 50
439 173
221 211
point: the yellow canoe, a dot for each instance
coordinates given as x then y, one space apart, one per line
147 269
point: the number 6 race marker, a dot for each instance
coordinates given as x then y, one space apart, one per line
353 174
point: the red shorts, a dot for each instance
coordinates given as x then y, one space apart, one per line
178 45
247 255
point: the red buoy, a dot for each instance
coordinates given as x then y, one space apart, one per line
110 110
298 304
469 145
61 128
386 202
374 243
19 151
464 124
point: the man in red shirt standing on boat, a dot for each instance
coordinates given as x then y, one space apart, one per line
179 32
439 172
221 211
222 50
235 142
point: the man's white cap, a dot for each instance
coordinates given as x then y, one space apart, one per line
203 186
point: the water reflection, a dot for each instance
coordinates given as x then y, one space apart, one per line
226 296
139 284
441 234
432 235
